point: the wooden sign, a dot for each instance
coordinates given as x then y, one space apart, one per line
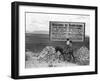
60 31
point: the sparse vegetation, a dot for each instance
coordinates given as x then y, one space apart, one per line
40 52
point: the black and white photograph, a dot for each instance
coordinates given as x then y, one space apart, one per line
51 40
56 40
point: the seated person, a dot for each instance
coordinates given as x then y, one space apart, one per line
68 51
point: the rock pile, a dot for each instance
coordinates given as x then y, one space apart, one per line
82 56
48 55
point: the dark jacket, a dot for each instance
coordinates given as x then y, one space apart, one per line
68 49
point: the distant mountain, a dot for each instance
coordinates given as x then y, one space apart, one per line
39 32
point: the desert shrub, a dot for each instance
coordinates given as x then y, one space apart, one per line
28 55
31 55
82 56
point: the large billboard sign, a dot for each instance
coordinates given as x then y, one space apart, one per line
60 31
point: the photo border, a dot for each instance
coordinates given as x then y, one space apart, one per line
15 39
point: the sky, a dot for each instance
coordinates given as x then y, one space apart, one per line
39 22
